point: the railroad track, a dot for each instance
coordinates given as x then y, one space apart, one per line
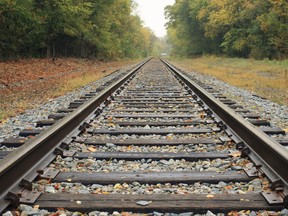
153 141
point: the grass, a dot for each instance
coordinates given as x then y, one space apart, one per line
77 82
1 114
266 78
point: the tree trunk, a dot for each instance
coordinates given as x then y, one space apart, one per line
53 46
48 51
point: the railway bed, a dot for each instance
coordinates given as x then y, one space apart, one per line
152 141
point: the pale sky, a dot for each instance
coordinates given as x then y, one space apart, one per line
152 14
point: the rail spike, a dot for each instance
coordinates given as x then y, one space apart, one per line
210 131
14 199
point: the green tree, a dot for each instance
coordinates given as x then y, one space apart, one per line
185 32
274 24
17 23
244 28
105 29
62 21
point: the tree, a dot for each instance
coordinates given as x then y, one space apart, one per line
61 22
185 32
274 24
105 29
244 28
16 26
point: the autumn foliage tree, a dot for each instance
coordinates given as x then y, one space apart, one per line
105 29
244 28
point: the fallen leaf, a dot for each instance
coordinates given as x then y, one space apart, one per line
244 200
202 115
228 187
143 203
56 186
16 213
92 149
150 189
169 137
233 213
118 186
235 154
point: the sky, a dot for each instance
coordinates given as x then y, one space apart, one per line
152 14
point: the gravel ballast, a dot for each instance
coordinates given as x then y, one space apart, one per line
275 113
92 165
14 125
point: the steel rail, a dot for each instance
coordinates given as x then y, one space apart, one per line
20 167
271 153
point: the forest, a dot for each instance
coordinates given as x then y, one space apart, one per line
110 29
104 29
236 28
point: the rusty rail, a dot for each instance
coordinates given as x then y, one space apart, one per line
272 157
21 166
